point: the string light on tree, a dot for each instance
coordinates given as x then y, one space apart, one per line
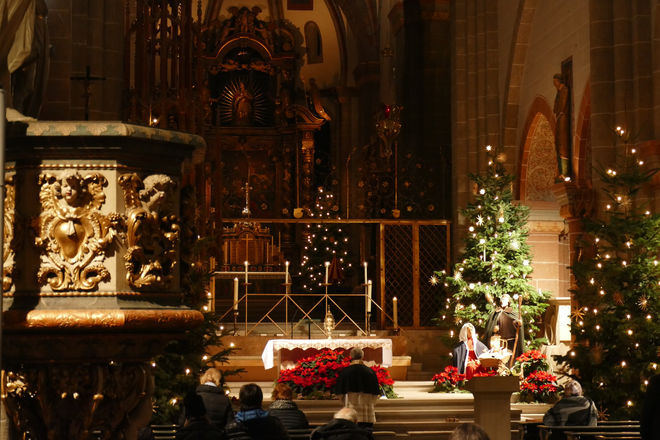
616 284
324 242
497 258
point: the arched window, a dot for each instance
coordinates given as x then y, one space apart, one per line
313 42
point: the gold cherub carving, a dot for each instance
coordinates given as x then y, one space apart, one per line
152 231
72 233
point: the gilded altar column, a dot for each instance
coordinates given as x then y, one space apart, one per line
307 169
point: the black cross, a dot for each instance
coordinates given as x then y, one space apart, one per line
87 84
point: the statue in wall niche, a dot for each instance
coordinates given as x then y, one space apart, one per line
153 231
562 126
72 233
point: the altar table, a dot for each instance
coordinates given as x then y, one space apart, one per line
288 351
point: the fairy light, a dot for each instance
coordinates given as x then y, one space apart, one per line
572 354
488 148
630 332
187 371
629 403
623 364
598 327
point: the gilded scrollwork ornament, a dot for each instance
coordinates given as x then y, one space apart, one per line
8 253
152 231
72 233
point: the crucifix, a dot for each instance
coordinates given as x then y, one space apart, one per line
246 209
87 84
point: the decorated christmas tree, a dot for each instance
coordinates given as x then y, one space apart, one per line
615 326
324 244
496 258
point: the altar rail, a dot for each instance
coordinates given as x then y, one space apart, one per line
401 254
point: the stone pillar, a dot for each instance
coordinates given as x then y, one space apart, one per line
475 118
492 403
92 291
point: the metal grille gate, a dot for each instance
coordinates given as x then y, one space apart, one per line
409 254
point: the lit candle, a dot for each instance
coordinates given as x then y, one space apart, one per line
236 293
395 312
327 265
365 273
369 286
246 271
286 274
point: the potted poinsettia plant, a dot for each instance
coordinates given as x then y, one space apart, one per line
538 384
448 381
314 377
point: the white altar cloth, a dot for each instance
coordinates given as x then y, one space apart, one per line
273 347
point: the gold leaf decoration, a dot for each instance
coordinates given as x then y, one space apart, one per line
152 231
73 235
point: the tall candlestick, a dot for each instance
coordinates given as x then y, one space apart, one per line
369 286
286 274
236 294
246 271
327 265
395 312
365 273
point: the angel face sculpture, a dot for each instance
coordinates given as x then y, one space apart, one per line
72 233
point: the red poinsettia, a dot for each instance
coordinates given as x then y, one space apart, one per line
316 376
539 386
531 361
449 380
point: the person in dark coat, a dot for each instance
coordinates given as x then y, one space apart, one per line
342 427
466 353
357 387
218 405
504 322
285 409
252 421
573 409
196 426
649 422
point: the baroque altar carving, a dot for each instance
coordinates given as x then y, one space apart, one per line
153 231
72 233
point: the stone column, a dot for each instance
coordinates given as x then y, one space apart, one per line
492 403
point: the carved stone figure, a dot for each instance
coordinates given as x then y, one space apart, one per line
152 231
73 234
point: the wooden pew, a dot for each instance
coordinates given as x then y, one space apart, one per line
587 432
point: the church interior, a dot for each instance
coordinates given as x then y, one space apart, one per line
318 174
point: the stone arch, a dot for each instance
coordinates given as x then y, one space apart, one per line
514 78
538 162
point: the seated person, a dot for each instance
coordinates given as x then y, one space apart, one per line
342 427
467 352
196 426
468 431
252 421
573 409
285 409
218 406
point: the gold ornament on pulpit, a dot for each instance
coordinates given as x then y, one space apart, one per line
8 254
72 234
152 231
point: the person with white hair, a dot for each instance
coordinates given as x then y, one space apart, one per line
343 426
573 409
357 387
466 353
